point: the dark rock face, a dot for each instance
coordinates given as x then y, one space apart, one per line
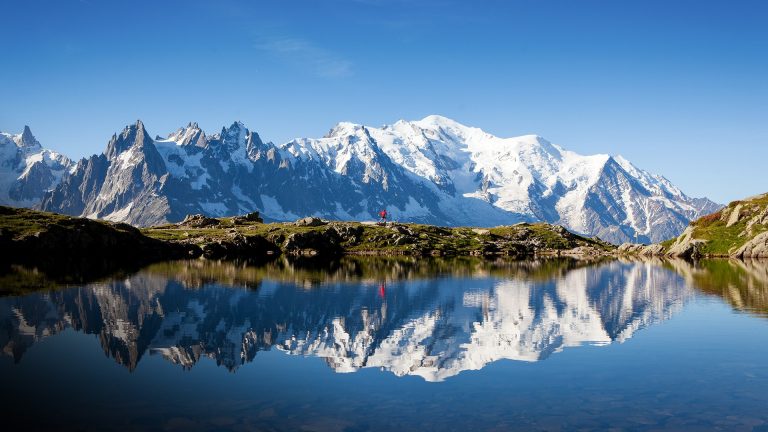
348 233
77 244
77 189
327 242
33 185
239 246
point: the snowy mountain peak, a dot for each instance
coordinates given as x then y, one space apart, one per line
236 129
433 170
189 135
27 170
346 129
435 121
132 135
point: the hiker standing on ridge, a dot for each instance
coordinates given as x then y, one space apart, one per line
383 217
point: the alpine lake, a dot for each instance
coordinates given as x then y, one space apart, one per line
389 344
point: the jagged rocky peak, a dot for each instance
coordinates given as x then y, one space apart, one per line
132 135
191 134
27 170
28 140
236 130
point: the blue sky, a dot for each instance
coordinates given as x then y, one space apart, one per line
678 87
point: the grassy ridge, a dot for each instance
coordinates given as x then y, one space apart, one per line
396 239
721 239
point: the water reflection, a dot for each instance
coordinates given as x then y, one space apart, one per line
429 318
742 283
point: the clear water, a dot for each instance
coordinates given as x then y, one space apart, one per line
385 344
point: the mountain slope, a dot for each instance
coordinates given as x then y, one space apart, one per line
27 170
599 195
433 171
739 230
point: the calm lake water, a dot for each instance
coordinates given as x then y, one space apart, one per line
391 344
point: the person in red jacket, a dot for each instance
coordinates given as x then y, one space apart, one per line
383 216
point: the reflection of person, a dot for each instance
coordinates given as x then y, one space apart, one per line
383 216
382 290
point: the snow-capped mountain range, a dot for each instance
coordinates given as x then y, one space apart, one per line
27 170
434 328
434 170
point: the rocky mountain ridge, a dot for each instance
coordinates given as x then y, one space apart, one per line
434 171
27 170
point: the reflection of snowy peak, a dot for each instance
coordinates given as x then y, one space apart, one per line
434 170
27 170
512 319
434 328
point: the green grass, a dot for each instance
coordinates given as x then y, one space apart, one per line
375 239
722 239
21 222
668 243
382 239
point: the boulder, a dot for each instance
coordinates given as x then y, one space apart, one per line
401 229
239 246
248 217
198 221
755 248
348 233
641 249
652 250
327 242
310 221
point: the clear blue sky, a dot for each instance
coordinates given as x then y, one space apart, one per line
678 87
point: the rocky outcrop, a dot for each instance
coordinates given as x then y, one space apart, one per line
740 230
40 238
249 217
67 244
311 243
641 249
198 221
755 248
240 246
310 222
686 246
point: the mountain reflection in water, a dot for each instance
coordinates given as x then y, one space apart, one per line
430 318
